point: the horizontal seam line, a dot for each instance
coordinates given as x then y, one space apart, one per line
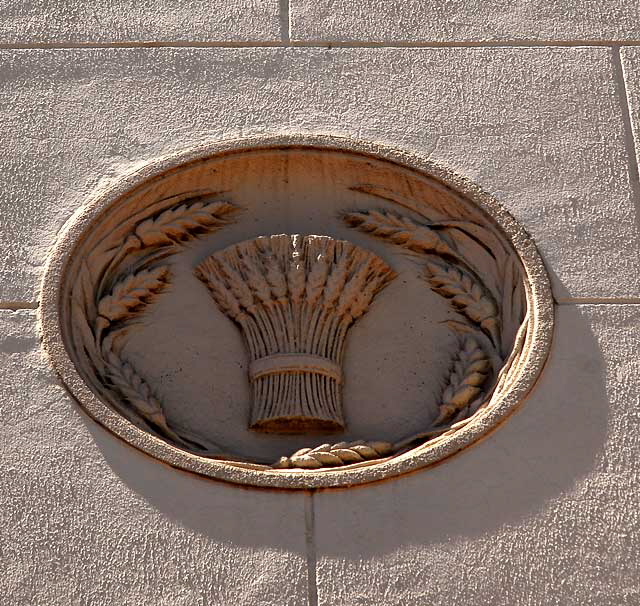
319 44
17 305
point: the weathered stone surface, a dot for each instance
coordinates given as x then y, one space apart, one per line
88 520
464 21
102 22
544 511
630 56
142 323
540 128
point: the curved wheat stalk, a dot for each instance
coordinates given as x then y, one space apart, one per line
464 387
132 293
335 455
172 226
136 391
133 289
131 386
467 295
181 223
401 231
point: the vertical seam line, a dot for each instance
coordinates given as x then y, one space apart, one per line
285 21
309 519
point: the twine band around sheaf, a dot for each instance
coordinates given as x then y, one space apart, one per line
294 363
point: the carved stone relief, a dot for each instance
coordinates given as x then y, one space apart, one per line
223 310
294 298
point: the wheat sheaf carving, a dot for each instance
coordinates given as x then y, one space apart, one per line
491 316
117 286
294 298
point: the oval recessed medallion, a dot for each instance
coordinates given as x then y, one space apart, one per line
296 312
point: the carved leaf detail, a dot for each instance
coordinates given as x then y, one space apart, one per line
467 295
335 455
132 293
180 223
468 375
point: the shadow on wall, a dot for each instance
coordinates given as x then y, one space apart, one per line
223 512
551 443
541 452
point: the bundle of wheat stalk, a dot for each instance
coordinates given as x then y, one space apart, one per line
294 298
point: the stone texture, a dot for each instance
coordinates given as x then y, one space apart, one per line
88 520
464 20
630 56
109 21
188 351
544 511
540 128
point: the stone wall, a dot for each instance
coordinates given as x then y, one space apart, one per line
536 101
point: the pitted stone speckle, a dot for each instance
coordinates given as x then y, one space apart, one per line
152 21
86 519
424 21
540 128
542 512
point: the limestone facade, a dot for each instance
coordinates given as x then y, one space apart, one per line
536 102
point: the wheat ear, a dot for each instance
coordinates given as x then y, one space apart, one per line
467 295
132 293
468 375
176 224
334 455
400 230
181 223
133 388
137 392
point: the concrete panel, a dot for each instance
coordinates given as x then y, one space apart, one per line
540 128
86 519
118 21
464 21
544 511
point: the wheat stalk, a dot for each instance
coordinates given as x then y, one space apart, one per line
336 280
363 299
296 279
222 296
401 231
132 293
174 225
455 283
467 295
317 278
275 277
468 374
181 223
137 392
251 267
334 455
